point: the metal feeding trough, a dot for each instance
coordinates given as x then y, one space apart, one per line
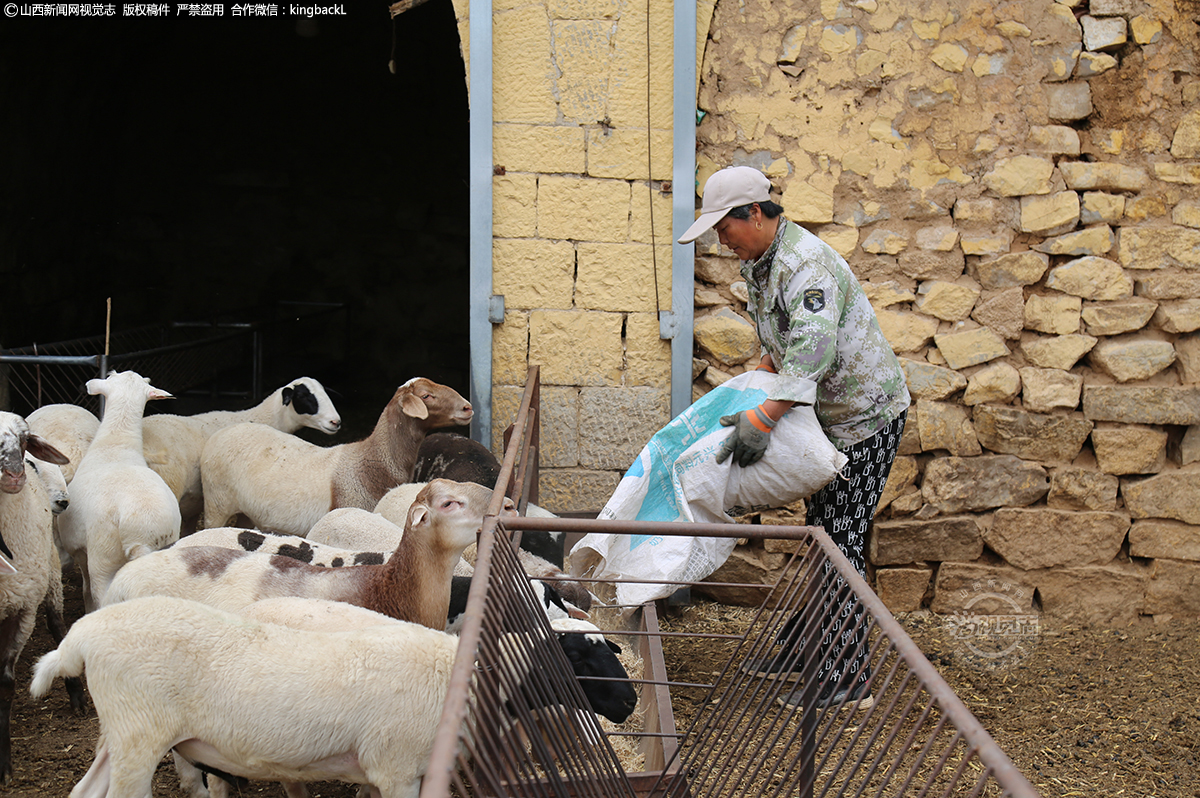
515 724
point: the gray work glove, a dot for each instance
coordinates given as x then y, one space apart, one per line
751 433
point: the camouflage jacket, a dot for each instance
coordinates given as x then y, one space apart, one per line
816 323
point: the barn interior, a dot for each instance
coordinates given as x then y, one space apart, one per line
206 169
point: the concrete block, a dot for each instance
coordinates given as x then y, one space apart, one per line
533 273
576 347
620 277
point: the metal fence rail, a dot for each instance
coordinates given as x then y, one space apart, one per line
514 724
179 357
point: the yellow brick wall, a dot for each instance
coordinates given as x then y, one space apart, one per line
581 251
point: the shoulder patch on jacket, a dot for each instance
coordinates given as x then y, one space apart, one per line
814 300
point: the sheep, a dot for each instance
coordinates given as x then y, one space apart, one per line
298 548
55 484
285 484
173 444
359 530
318 554
69 427
413 585
448 455
589 654
586 648
34 579
120 509
54 481
52 477
451 456
548 598
354 528
172 674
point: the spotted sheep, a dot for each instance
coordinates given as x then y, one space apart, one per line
413 585
318 554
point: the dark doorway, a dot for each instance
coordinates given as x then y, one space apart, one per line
191 167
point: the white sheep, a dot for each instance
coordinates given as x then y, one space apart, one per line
69 427
173 444
363 530
120 509
35 578
171 674
359 530
286 484
413 585
582 643
55 482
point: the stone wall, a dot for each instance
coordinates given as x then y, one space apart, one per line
1017 186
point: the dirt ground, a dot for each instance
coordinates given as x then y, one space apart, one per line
1088 712
1084 712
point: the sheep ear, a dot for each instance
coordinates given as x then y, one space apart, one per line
577 613
159 393
42 450
287 396
417 515
615 648
414 407
94 386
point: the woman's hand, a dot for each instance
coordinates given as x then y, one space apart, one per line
750 436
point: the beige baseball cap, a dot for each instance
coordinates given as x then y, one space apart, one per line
725 190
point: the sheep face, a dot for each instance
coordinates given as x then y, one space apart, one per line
56 485
592 654
15 441
435 405
312 405
455 509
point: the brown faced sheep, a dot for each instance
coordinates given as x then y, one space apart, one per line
286 484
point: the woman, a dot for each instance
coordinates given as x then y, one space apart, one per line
820 335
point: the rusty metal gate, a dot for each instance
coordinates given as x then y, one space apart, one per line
514 724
